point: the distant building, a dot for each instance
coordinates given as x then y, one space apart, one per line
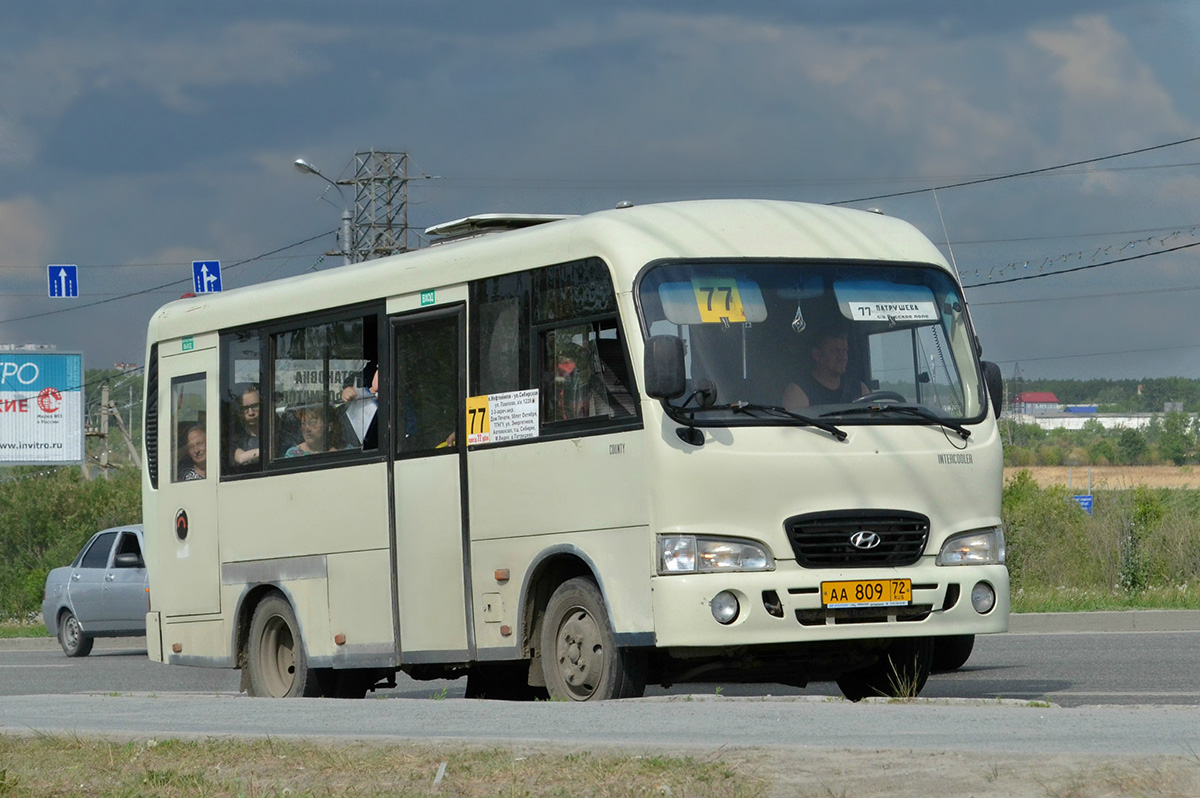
1034 403
28 347
1082 409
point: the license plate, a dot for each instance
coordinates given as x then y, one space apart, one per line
867 593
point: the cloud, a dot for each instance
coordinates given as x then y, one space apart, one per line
39 83
23 231
1104 86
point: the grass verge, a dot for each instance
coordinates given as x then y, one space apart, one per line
69 765
10 628
1070 599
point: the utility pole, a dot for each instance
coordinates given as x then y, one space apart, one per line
380 205
378 225
133 452
104 429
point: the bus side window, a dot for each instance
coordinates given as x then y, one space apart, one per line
500 334
427 400
314 366
555 329
584 374
612 386
241 403
189 442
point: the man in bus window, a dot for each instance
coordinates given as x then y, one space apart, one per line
246 449
826 382
195 465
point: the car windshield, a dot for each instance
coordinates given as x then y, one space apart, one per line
844 342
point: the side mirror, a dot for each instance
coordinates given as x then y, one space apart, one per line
994 382
128 560
663 367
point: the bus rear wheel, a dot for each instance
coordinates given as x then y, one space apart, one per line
900 672
580 657
275 656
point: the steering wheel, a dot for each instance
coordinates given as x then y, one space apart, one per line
880 396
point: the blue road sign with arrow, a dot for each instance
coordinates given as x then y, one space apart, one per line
63 280
206 275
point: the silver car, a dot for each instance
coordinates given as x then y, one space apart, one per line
102 594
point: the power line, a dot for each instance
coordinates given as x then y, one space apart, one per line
1082 268
1102 354
145 265
1088 296
740 182
160 287
1027 173
82 386
1177 227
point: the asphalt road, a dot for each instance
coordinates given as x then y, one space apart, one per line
1133 691
1070 659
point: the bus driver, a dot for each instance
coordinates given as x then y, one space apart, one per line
826 383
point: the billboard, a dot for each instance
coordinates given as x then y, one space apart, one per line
41 408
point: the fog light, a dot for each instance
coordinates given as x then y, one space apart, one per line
983 598
724 607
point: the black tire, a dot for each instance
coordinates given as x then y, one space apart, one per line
275 653
900 672
580 657
503 681
951 652
71 637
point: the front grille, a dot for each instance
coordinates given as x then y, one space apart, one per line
823 540
848 615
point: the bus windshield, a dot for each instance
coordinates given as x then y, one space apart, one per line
877 343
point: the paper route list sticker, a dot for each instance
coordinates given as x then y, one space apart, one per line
500 417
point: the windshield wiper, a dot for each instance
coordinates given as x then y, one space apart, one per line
803 420
908 410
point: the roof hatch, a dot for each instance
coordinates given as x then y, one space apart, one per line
491 223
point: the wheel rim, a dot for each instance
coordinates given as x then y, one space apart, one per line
579 653
277 653
71 632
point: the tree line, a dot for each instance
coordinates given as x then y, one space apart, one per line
1117 396
1168 439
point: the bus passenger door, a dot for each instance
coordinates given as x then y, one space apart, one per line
186 564
432 569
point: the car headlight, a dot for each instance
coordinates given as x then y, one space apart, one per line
688 554
980 547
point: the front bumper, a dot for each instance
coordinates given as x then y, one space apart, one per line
941 605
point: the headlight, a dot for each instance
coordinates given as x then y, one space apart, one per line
981 547
686 554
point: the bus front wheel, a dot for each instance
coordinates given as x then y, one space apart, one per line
278 665
900 672
951 652
580 657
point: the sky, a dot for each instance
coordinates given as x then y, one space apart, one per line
138 137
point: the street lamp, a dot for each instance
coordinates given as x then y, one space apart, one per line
304 166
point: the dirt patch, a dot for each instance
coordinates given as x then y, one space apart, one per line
1112 477
919 774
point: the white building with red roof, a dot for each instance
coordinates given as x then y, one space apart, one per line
1034 403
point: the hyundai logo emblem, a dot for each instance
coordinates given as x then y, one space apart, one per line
863 539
